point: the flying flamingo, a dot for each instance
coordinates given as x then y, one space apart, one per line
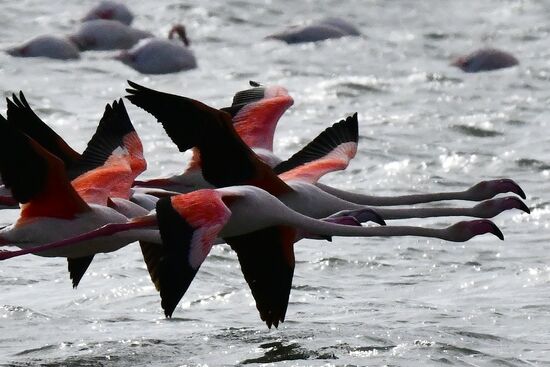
255 113
114 130
210 131
190 223
51 207
104 173
161 56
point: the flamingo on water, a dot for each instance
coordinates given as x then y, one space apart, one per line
102 34
485 59
110 10
161 56
327 28
53 47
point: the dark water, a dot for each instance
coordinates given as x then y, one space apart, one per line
424 126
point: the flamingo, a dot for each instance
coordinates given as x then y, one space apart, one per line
189 225
323 29
53 47
160 56
210 130
110 10
102 34
255 113
485 59
103 174
114 130
51 207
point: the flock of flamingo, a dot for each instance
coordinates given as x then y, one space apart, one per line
234 191
107 26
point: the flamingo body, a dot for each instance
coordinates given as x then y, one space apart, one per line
101 34
47 46
324 29
485 59
157 56
110 10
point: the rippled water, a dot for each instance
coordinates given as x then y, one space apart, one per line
424 126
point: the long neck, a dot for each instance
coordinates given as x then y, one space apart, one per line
424 212
395 200
323 228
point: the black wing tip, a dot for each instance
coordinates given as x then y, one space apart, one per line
253 83
175 273
343 131
168 311
497 232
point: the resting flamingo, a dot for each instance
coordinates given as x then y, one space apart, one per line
102 34
327 28
161 56
53 47
485 59
110 10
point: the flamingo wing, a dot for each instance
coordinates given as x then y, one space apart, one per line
330 151
267 262
77 268
188 224
26 120
255 113
225 159
114 130
36 177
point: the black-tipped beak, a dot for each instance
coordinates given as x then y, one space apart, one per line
496 231
367 215
378 219
518 190
523 206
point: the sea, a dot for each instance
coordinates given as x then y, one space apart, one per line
424 125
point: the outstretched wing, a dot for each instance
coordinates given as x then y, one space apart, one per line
225 159
27 121
115 130
36 178
189 225
255 113
330 151
267 262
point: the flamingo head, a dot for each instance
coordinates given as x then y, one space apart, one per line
179 30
